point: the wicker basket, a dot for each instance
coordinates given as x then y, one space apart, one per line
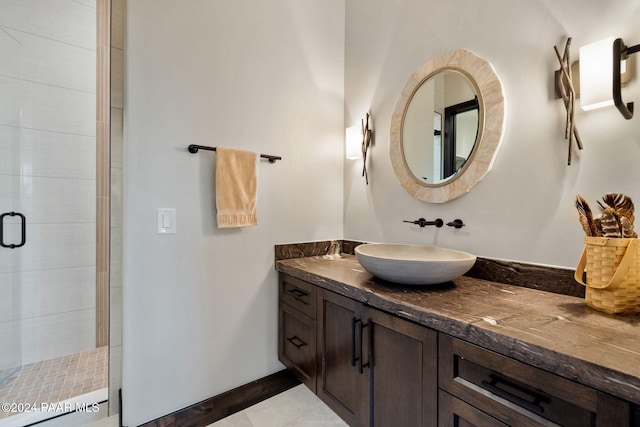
613 274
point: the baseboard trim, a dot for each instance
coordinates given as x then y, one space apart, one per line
228 403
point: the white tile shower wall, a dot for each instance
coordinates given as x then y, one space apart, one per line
47 337
47 125
46 200
55 246
36 59
9 299
47 154
66 23
9 333
40 106
47 292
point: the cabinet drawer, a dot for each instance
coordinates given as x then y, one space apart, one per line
519 394
298 294
454 412
297 344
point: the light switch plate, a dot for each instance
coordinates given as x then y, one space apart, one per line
166 221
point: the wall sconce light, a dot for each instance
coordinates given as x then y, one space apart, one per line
354 142
596 74
357 141
603 70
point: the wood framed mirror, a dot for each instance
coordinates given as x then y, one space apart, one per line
447 126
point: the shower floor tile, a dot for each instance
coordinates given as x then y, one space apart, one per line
56 380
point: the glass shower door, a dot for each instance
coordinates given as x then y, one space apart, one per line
47 187
10 298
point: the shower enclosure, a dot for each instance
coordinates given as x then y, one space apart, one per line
10 330
49 302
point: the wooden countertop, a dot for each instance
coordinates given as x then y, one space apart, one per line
557 333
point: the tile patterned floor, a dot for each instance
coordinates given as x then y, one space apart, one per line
57 380
295 407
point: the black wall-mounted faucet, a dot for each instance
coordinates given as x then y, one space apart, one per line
457 223
423 222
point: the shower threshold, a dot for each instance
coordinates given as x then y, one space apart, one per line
48 389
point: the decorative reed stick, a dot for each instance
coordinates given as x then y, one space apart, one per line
568 94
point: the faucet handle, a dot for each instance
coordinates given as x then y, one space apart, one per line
457 223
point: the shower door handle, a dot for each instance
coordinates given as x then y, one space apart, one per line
23 238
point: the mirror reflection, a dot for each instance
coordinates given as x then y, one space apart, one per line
440 127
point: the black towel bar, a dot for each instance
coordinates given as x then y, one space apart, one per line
194 149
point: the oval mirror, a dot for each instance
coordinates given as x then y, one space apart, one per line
440 127
447 126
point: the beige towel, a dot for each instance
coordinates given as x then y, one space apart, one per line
236 187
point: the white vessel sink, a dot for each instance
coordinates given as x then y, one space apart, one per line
413 264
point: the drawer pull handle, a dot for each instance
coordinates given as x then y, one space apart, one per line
298 294
361 363
533 406
354 357
296 341
357 353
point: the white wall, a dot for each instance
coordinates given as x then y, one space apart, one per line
200 306
523 209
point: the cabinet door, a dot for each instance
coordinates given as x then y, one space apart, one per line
404 372
341 385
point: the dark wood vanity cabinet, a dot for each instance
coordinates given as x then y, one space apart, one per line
376 369
480 387
297 329
372 368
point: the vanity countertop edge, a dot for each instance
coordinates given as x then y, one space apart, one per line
557 333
